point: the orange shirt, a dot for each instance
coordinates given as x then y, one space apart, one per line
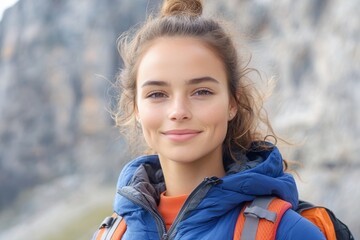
169 207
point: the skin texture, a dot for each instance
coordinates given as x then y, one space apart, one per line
183 106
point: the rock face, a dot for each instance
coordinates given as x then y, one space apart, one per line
58 60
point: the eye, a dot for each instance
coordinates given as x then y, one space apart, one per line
156 95
203 92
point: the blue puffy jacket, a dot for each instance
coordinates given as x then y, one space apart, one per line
211 210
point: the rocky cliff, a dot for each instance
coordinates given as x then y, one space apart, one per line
58 60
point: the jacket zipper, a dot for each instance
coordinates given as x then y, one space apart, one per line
196 196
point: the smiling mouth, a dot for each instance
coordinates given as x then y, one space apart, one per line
181 135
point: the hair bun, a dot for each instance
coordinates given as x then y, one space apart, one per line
181 7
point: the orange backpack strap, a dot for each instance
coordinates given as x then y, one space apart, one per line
260 219
325 220
112 228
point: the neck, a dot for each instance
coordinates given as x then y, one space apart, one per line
182 178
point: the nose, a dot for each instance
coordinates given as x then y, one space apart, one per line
180 110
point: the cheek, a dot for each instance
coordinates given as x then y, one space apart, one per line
221 106
216 116
150 121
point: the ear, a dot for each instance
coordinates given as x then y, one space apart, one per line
232 109
136 113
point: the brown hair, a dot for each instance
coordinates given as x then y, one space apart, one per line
184 18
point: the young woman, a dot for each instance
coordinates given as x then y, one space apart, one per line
185 91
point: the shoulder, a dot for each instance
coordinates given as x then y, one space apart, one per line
295 227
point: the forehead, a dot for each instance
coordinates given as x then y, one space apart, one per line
180 45
185 57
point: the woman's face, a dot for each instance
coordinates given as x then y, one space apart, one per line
183 101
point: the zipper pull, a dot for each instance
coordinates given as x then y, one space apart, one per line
164 236
213 180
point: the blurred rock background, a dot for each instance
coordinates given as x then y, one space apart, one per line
60 153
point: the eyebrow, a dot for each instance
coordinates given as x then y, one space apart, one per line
201 80
154 83
193 81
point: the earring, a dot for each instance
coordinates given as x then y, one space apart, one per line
231 115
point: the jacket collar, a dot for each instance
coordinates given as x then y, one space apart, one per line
260 174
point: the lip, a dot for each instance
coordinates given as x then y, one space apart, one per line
181 135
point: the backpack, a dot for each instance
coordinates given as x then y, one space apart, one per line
263 213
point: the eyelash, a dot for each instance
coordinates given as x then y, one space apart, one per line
156 94
203 91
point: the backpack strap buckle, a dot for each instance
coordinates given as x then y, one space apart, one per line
108 222
113 227
258 212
